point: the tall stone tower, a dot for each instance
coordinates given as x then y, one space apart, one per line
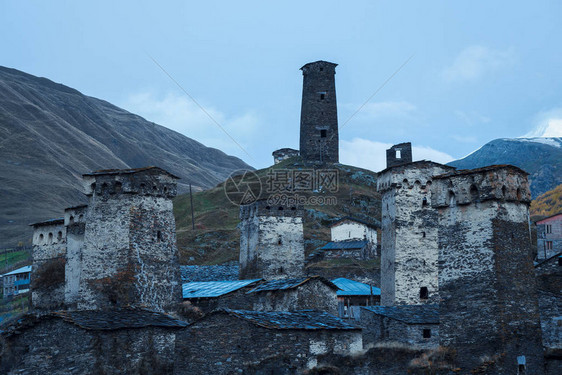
319 139
271 241
130 256
75 223
489 306
409 253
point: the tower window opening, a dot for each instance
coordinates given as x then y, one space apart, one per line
158 236
398 154
426 333
322 96
424 202
323 133
59 236
424 293
279 241
423 234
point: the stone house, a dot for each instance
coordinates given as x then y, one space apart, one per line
416 325
352 295
549 285
16 282
350 228
301 293
350 249
549 236
232 341
211 295
284 154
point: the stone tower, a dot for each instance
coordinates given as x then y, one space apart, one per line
319 115
409 254
47 272
271 241
488 292
75 223
130 256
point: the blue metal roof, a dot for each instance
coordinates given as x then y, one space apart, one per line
355 288
409 314
342 245
19 270
302 319
211 289
282 284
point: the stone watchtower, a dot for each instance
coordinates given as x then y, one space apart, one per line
271 241
488 293
129 256
319 116
409 254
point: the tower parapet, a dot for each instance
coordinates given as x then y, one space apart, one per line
271 241
319 139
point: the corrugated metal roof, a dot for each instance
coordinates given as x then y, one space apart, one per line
119 318
354 288
282 284
342 245
303 319
19 270
409 314
212 289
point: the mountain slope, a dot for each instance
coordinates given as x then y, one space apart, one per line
547 204
51 134
540 157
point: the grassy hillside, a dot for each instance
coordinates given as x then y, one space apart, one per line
215 239
547 204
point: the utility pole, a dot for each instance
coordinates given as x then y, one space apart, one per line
192 215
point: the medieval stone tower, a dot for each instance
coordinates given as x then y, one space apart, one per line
409 255
271 241
489 305
130 256
319 116
75 223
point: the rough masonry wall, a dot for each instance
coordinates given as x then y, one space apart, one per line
486 275
75 223
409 250
223 345
130 255
319 140
250 265
59 348
378 328
549 283
47 275
313 295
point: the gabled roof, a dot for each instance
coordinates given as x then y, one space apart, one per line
547 260
345 245
213 289
57 221
409 314
355 288
24 269
283 284
303 319
129 171
119 318
548 217
346 218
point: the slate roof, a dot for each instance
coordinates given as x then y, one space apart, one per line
354 288
212 289
119 318
350 218
58 220
283 284
209 273
409 314
19 270
345 245
151 169
303 319
547 260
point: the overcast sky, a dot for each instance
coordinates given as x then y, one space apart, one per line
478 70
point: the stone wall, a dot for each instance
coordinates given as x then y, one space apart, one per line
378 328
219 344
489 309
130 255
47 274
313 295
409 234
271 241
284 154
319 138
399 154
75 224
549 283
